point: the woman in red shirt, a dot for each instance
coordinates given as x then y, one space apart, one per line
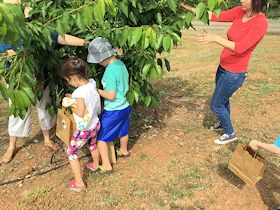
248 27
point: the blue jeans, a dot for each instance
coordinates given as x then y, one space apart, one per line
226 84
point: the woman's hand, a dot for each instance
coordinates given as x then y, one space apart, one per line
207 37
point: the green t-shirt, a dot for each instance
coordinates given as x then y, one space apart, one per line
115 78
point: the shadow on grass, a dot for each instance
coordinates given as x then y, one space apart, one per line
269 186
172 93
225 173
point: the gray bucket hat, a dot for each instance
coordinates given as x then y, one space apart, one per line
99 49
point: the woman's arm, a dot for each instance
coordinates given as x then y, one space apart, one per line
80 107
225 16
11 52
110 95
70 40
193 10
211 37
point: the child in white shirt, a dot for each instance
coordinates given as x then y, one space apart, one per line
85 104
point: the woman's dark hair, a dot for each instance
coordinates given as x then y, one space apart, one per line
258 6
73 66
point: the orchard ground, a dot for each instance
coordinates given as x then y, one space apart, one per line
174 163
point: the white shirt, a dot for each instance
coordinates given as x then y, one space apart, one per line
91 97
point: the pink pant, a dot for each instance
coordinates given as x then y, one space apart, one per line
79 139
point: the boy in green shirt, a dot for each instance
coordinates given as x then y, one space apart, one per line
115 118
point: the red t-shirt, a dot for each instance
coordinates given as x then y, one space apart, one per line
245 35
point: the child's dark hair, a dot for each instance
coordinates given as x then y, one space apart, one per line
259 5
73 66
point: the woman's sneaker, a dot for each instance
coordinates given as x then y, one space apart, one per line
225 138
216 127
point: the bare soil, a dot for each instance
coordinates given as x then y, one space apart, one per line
174 163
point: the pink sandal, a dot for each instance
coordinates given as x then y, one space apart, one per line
90 166
72 186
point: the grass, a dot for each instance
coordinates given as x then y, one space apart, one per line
184 184
274 20
143 156
107 202
34 195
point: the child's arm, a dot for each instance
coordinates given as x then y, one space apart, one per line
255 145
79 108
110 95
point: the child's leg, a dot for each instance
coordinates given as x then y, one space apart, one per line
7 157
95 157
46 121
76 169
77 142
17 127
47 139
123 146
124 132
103 149
93 146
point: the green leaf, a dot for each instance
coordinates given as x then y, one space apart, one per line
101 6
211 4
205 17
4 91
124 36
133 2
159 41
153 39
3 30
172 5
200 9
153 73
80 22
47 36
60 28
133 18
99 11
144 41
146 69
136 36
167 43
29 93
189 18
130 97
124 8
167 64
147 101
217 12
87 16
136 96
11 109
30 78
159 70
21 99
159 18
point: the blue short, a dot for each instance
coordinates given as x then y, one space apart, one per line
114 124
277 142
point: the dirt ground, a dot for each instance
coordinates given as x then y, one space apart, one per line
174 163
